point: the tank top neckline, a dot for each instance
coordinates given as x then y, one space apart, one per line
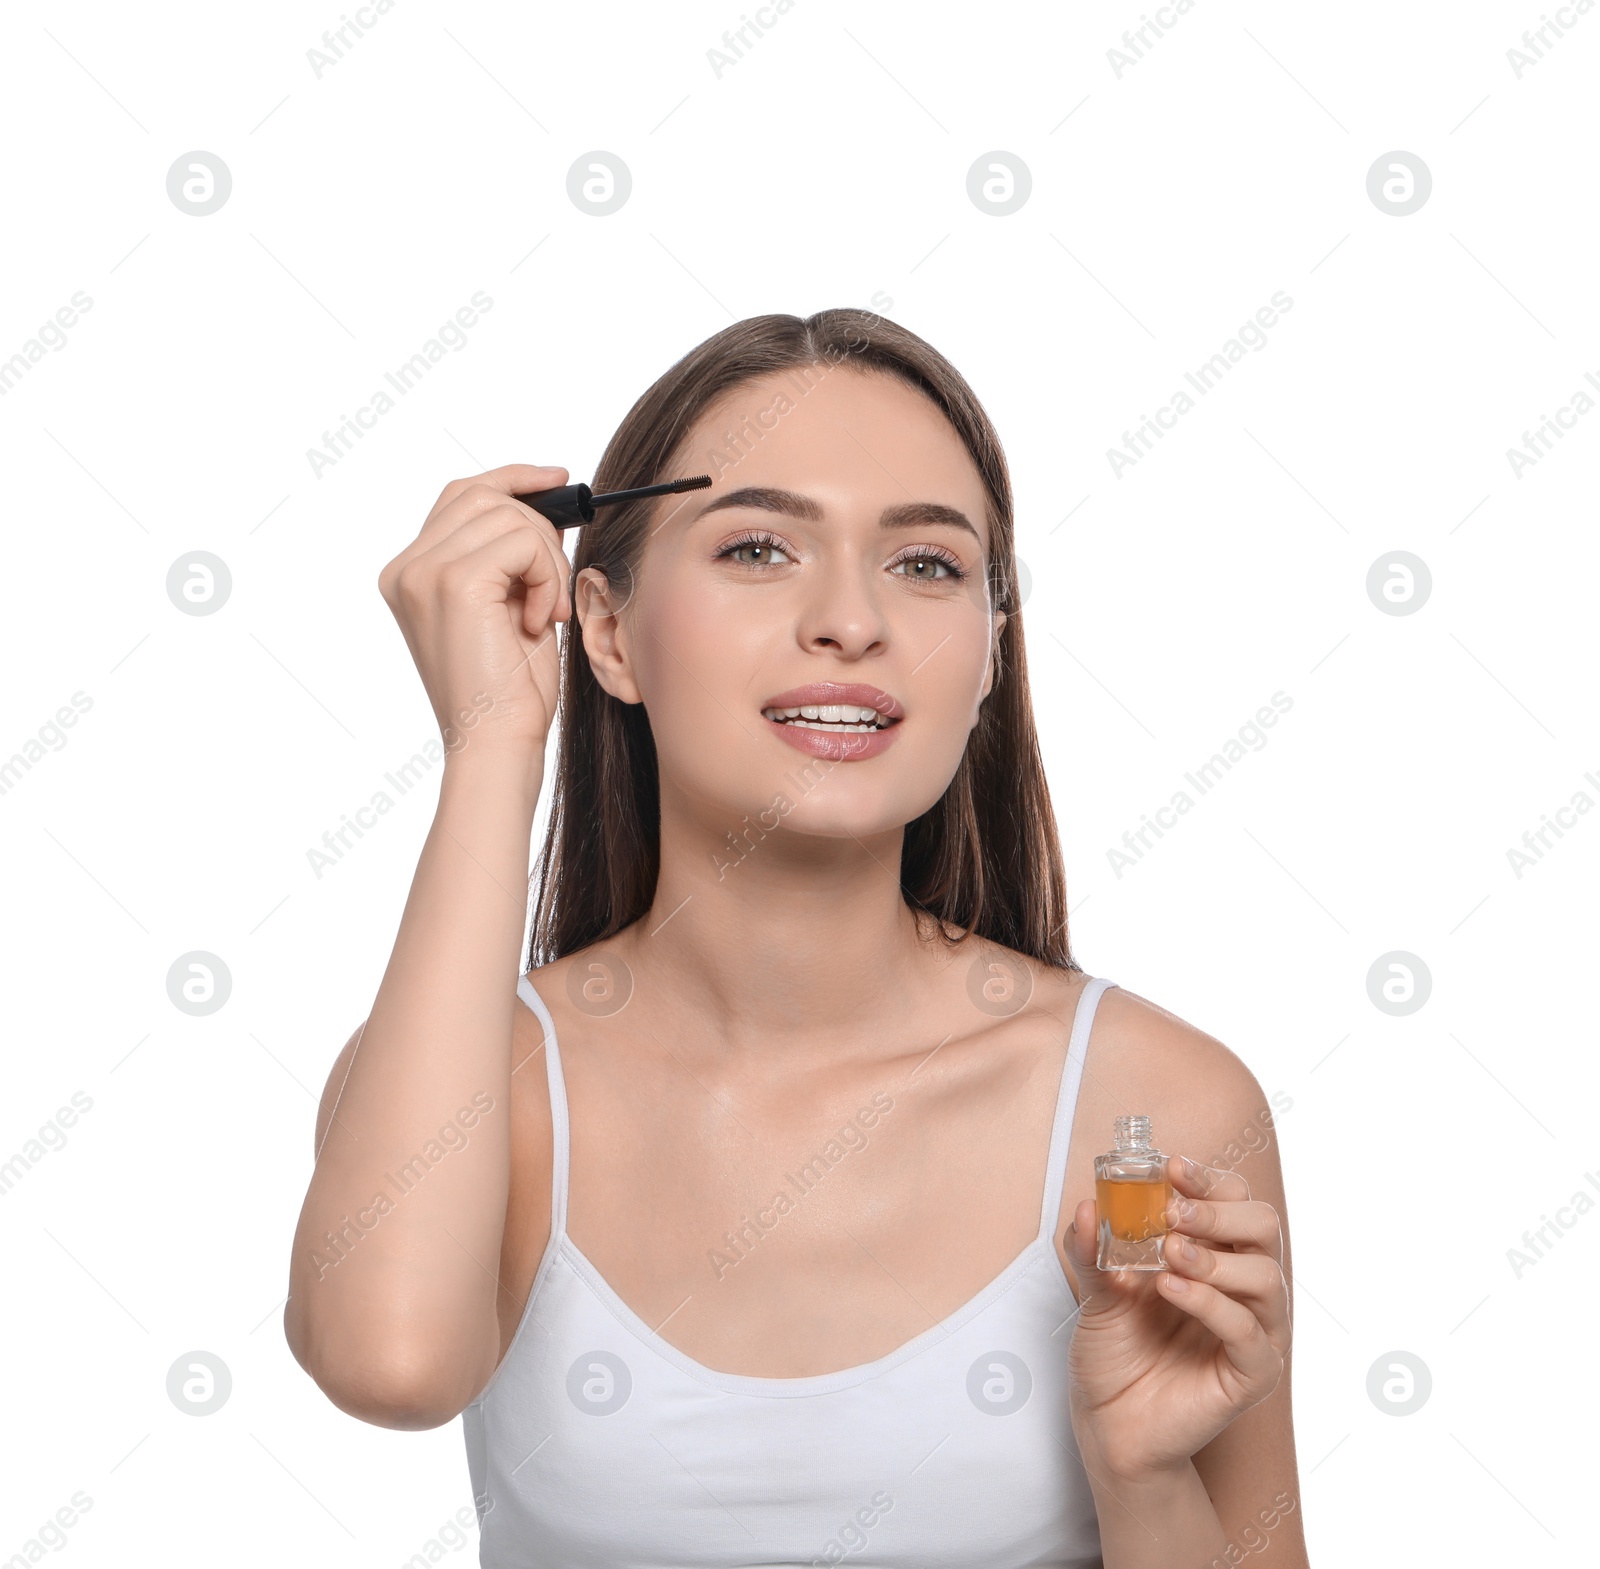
561 1245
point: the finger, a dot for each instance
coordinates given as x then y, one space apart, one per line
1097 1288
1200 1181
1251 1278
512 479
1237 1223
473 499
470 537
516 555
1080 1237
462 499
485 526
507 519
1256 1362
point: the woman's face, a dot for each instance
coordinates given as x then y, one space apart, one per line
843 540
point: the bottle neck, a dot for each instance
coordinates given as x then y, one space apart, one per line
1132 1135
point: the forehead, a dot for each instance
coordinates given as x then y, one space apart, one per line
835 424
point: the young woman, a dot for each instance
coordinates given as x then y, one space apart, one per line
758 1231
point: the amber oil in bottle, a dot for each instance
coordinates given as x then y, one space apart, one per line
1132 1193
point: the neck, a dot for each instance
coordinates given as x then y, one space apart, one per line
774 940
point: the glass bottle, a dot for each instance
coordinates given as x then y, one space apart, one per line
1132 1193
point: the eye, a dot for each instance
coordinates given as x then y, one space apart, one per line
756 539
930 558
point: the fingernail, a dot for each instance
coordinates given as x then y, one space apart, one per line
1189 1168
1176 1282
1187 1249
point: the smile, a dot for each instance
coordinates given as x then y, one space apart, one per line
838 721
841 718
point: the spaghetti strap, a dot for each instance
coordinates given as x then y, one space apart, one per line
1067 1101
560 1137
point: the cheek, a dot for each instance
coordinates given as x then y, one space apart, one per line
698 665
949 685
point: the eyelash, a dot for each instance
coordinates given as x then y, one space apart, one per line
914 553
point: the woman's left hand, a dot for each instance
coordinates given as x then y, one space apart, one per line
1162 1360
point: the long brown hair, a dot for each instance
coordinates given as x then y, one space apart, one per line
984 857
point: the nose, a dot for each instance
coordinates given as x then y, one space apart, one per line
843 609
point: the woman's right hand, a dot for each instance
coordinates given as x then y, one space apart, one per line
478 594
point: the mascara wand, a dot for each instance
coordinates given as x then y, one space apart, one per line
568 505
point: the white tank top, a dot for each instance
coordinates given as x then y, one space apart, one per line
597 1445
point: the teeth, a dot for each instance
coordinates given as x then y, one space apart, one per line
828 716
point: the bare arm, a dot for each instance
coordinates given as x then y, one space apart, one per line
1250 1468
1179 1483
1239 1497
392 1279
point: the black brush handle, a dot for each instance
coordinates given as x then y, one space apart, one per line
567 505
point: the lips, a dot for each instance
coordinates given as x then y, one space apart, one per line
820 693
840 745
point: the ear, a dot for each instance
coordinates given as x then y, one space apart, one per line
994 643
605 635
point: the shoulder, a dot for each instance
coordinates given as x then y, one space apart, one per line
1181 1053
526 1231
1138 1037
1204 1100
530 1094
529 1074
527 1028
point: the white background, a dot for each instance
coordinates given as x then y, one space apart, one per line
827 167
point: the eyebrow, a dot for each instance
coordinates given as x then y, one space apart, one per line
909 514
